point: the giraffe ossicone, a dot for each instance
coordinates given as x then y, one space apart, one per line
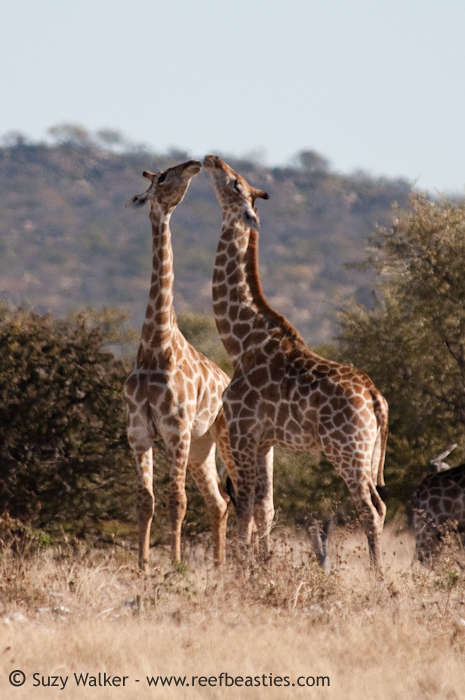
282 393
174 391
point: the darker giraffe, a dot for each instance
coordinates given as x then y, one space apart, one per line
438 502
173 390
281 392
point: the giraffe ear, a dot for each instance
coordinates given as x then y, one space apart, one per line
260 193
250 219
138 201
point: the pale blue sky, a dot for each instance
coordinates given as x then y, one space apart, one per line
377 85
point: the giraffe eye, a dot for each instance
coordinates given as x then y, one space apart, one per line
237 186
162 178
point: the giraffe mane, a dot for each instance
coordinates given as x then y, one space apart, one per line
255 285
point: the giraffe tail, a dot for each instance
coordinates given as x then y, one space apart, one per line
230 491
381 411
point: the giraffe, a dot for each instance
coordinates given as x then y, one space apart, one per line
438 501
174 391
281 392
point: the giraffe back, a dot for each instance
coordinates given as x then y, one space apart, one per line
441 496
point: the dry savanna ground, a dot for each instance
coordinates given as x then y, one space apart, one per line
76 610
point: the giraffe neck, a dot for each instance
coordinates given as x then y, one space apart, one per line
239 304
160 320
233 290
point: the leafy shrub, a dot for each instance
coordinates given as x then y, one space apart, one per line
63 449
411 342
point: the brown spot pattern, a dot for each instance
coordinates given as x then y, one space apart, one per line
344 412
175 392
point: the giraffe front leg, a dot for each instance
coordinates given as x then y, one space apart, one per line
145 501
245 501
264 507
244 452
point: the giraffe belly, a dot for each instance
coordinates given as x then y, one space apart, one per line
299 443
201 426
296 429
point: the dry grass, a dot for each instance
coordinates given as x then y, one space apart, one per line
65 612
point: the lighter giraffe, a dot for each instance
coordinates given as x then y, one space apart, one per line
173 390
281 392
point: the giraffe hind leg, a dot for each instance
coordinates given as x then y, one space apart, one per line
178 453
376 527
357 473
245 501
372 511
202 465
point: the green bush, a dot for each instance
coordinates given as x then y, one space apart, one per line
63 449
412 341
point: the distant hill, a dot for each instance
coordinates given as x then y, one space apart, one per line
67 241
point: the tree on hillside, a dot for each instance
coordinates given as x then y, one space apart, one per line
412 341
67 240
313 162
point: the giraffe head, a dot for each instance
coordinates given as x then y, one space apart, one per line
168 187
233 192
